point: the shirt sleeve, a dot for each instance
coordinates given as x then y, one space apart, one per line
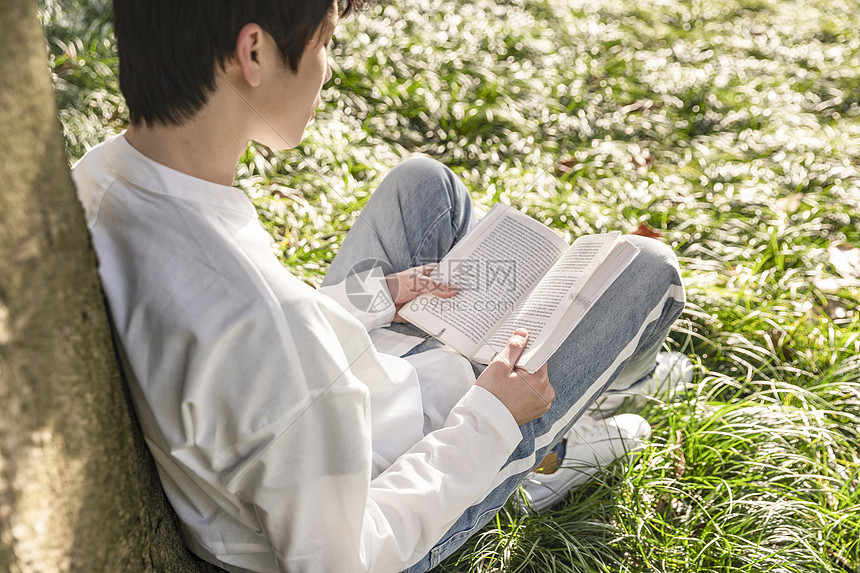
325 514
311 486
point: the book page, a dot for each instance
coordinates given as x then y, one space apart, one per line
494 267
542 309
581 301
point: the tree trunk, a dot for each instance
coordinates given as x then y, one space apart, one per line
78 490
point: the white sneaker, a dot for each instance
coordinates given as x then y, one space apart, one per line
591 444
673 370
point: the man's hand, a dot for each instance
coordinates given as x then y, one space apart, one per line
406 285
527 396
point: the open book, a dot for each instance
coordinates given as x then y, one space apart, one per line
514 272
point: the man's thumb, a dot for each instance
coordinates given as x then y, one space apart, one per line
514 348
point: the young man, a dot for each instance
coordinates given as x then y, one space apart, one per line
291 431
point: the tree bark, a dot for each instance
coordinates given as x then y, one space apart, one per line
78 489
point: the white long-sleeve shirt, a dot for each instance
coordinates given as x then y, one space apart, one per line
285 440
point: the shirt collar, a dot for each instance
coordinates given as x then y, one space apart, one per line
139 170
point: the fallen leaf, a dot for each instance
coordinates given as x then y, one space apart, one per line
791 203
645 231
836 310
680 458
782 344
844 563
643 160
550 464
565 166
846 259
642 105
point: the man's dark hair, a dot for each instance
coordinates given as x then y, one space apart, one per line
169 49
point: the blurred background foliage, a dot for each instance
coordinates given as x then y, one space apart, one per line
731 129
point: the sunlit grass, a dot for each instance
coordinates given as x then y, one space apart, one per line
731 127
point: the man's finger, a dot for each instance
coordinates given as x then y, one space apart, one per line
514 348
426 269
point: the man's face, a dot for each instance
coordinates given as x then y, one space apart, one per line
290 99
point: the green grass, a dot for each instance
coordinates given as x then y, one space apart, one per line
732 127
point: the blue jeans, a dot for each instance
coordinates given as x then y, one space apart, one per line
416 215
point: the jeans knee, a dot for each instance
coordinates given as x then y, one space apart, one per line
421 179
426 191
422 167
656 261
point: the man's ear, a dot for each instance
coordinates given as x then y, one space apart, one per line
249 46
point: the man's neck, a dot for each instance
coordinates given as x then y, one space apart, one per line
200 147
